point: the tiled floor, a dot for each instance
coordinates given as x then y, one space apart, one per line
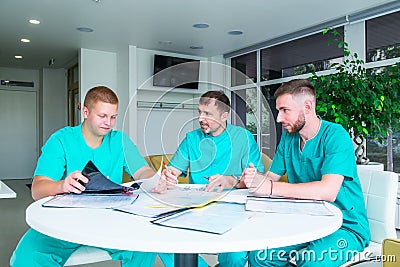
13 225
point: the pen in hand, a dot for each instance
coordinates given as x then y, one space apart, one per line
169 171
166 167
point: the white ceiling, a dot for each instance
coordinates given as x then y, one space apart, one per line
119 23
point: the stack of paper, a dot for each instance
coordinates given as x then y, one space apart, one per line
216 218
94 201
287 205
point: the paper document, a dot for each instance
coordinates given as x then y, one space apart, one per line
148 206
235 196
287 205
179 198
216 218
95 201
147 184
187 196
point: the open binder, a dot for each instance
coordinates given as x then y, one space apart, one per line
100 192
99 184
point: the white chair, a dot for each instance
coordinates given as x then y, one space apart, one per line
86 255
380 195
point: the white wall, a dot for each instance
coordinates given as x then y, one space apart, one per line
97 68
129 72
19 116
158 131
54 99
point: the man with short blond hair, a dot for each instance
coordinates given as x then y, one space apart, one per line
58 171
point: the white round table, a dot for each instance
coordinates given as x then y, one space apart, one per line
118 230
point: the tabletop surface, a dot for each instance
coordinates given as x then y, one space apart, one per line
118 230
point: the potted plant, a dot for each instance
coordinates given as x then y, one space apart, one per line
365 103
387 81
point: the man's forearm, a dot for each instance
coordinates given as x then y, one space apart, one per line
43 187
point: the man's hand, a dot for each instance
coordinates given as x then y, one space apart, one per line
168 179
221 181
74 183
257 183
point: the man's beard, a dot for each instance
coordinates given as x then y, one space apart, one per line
298 125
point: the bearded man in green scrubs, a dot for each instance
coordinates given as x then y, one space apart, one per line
318 158
216 154
58 171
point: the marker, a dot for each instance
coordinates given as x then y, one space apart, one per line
207 178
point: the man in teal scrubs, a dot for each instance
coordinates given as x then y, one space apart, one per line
216 155
318 157
58 171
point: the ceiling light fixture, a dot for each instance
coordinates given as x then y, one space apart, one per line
18 56
201 25
34 21
24 40
85 29
235 32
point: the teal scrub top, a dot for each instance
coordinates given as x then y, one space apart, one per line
66 151
227 154
329 152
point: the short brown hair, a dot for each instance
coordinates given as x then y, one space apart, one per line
296 87
100 93
221 100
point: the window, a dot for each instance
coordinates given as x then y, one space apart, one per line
262 126
247 65
383 38
377 151
299 58
255 108
304 55
382 46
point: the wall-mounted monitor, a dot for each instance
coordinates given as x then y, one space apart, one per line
176 72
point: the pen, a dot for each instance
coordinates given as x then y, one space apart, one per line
207 178
169 170
166 167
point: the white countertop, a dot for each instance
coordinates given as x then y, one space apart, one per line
6 192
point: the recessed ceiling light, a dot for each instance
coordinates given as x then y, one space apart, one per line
165 42
85 29
34 21
201 25
18 56
24 40
196 47
235 32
